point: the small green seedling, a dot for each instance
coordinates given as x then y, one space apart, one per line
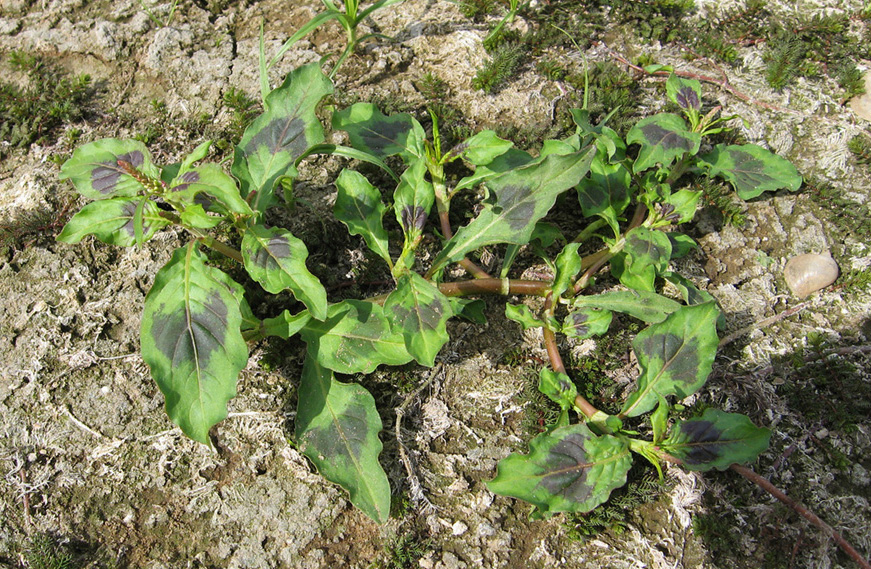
197 325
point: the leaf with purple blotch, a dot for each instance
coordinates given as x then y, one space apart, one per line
208 179
420 313
751 169
675 356
644 257
663 138
716 440
412 200
569 469
685 93
372 131
359 207
283 133
337 426
110 168
644 305
605 192
276 259
112 221
586 322
191 339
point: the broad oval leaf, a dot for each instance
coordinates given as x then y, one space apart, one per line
647 306
686 93
605 192
192 341
567 470
751 169
374 132
420 313
276 259
586 322
355 337
522 197
359 207
480 149
663 138
109 168
645 256
112 221
558 387
283 133
675 356
337 428
211 180
716 440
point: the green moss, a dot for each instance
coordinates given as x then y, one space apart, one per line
43 552
722 199
860 146
49 98
504 63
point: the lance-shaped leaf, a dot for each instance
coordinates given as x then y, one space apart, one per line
675 356
374 132
716 440
644 257
359 206
558 387
419 312
586 322
283 133
413 200
337 428
509 160
356 337
605 192
568 265
647 306
112 221
567 470
211 180
276 259
522 197
663 138
191 340
481 149
521 314
109 168
751 169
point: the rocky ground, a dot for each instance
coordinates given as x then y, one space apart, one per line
89 459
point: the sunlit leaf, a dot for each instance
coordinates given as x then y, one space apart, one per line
419 312
647 306
374 132
209 179
567 470
192 340
644 257
359 206
663 138
716 440
337 428
675 356
605 192
558 387
481 149
686 93
751 169
586 322
413 199
112 221
110 168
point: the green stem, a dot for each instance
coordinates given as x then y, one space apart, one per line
207 239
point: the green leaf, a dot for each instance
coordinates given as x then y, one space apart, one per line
192 341
413 200
480 149
659 420
285 324
276 259
647 306
359 206
716 440
605 192
645 256
522 197
283 133
685 93
379 134
675 356
751 169
211 180
419 312
195 156
681 244
521 314
356 337
337 428
195 216
663 138
558 387
586 322
680 207
568 265
102 169
511 159
469 308
567 470
112 221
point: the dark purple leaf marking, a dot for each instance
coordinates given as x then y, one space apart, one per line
129 210
193 334
105 177
278 247
280 134
703 438
749 172
668 139
413 218
187 179
427 316
516 205
345 436
567 466
641 246
688 98
378 137
577 320
679 357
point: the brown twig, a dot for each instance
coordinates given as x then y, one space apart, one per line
762 324
803 512
722 83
